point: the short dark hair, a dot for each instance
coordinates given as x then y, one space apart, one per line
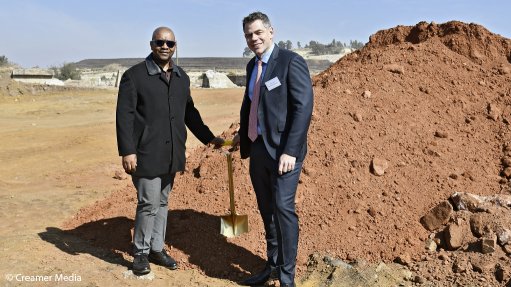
257 16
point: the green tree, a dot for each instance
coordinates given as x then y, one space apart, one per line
3 61
289 45
317 48
68 71
299 45
281 44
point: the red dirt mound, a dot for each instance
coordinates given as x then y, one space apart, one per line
428 106
472 41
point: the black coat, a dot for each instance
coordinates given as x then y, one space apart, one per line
151 117
284 113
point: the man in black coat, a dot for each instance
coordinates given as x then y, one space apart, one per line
154 107
274 119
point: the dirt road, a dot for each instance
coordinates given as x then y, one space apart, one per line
58 153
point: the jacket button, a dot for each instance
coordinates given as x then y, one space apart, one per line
167 142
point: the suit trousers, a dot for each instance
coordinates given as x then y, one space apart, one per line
276 201
152 210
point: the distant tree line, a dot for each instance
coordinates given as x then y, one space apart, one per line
334 47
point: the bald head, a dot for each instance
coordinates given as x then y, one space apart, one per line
160 30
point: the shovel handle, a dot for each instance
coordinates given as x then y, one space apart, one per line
231 184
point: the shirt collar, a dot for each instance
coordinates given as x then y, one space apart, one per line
154 69
266 55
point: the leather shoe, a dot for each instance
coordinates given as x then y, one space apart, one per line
163 259
261 277
141 265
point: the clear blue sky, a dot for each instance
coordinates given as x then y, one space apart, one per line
50 32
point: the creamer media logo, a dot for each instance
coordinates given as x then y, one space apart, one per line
59 277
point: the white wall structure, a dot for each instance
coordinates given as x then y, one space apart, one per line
216 80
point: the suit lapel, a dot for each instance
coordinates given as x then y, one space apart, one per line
272 63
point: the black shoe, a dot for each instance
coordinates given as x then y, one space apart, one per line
163 259
141 265
288 285
261 278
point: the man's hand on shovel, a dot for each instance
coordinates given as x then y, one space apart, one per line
217 142
234 143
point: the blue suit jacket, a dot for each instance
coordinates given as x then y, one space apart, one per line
284 113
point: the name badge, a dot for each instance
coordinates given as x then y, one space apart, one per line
272 84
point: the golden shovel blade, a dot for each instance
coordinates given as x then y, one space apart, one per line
232 225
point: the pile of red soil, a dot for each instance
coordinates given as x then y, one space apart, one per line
433 101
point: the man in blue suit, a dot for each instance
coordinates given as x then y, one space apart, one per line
274 119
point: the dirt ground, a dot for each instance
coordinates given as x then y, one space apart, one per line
58 154
419 113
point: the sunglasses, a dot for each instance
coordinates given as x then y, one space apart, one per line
160 43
